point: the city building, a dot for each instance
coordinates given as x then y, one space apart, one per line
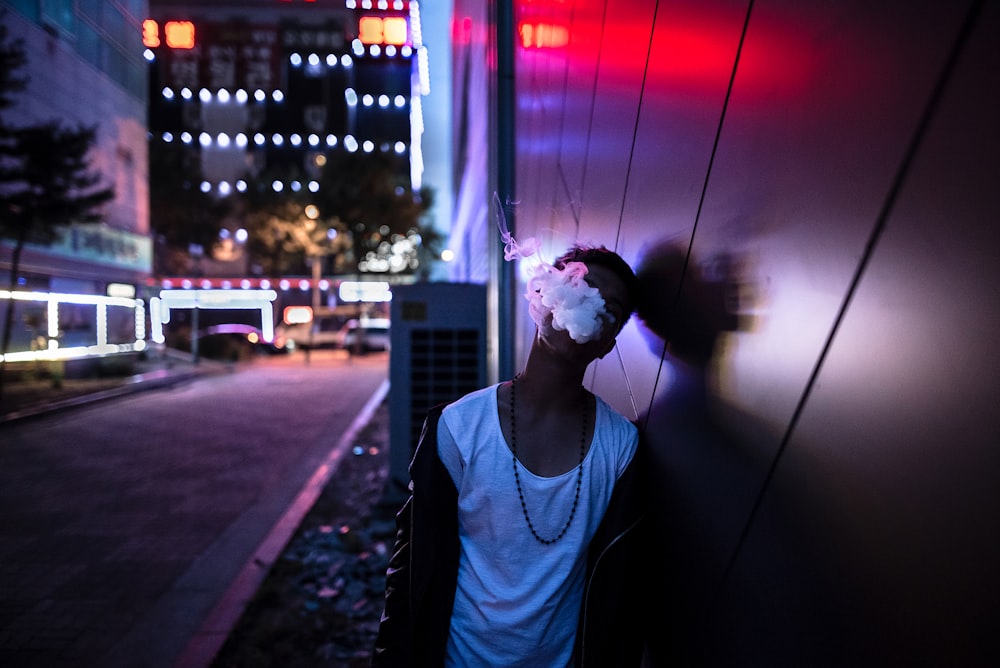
84 69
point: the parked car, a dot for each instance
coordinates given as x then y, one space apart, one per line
364 335
320 333
237 341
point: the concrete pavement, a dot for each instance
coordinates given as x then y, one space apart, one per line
56 632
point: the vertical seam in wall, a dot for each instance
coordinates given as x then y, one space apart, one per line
704 190
933 101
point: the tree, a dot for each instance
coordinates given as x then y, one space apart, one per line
371 192
286 228
45 176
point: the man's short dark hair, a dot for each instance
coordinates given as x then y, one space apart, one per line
599 256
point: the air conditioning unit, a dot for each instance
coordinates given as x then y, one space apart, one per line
439 354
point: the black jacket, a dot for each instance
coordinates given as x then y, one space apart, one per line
422 573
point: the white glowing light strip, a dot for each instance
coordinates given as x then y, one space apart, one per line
159 307
101 347
75 352
36 296
365 291
416 145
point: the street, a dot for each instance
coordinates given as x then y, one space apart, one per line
122 524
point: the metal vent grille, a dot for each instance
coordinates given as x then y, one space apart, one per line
444 365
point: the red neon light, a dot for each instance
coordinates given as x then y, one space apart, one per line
388 30
394 30
150 33
543 35
179 34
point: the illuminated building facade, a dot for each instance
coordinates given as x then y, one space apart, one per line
281 83
84 68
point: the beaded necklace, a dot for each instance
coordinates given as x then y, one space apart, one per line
517 476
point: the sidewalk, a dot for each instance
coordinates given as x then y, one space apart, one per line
27 395
153 635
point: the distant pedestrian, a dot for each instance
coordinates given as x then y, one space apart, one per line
518 544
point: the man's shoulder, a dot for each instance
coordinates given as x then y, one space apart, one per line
616 418
473 401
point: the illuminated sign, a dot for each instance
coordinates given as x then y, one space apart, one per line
121 290
297 315
383 30
150 33
365 291
179 34
543 35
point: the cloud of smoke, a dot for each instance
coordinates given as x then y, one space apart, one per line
576 307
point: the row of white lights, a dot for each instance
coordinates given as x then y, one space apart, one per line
333 60
242 97
368 4
241 140
225 188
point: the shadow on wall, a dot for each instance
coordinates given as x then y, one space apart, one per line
719 598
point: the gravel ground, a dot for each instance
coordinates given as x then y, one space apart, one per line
321 601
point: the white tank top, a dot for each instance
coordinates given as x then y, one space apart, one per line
517 601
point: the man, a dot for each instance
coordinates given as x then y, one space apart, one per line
517 545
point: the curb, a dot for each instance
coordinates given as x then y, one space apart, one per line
214 630
152 380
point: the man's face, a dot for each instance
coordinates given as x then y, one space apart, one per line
616 298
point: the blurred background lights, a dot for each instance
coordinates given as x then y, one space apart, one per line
206 187
368 146
205 95
295 59
346 60
277 186
259 95
186 93
242 96
223 96
277 96
168 93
